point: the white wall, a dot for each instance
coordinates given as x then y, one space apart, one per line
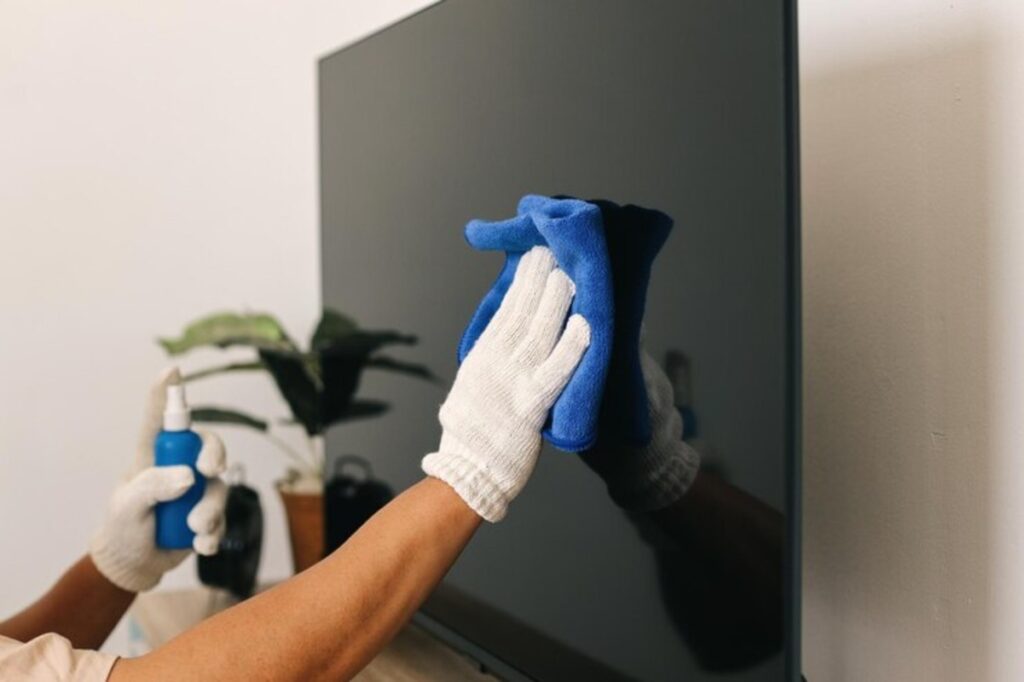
913 163
157 161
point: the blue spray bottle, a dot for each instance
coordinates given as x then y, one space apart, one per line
177 444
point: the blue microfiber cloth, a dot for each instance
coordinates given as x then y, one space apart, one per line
572 230
634 236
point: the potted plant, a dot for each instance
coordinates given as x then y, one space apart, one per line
319 385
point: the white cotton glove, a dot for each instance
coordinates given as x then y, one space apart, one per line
506 386
652 477
124 548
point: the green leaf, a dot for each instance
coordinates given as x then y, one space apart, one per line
319 386
341 363
361 409
298 385
222 415
333 325
402 367
230 329
340 373
224 369
362 343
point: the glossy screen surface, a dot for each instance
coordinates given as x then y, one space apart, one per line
454 114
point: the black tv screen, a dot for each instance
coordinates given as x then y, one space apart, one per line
685 106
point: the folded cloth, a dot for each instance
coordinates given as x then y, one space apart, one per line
634 236
572 230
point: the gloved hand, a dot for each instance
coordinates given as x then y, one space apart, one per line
652 477
506 386
124 548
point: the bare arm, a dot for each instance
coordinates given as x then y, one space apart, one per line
331 620
82 606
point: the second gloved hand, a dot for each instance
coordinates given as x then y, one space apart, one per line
124 548
493 416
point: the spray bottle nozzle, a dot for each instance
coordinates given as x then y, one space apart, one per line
177 416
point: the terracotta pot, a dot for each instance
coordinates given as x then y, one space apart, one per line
305 513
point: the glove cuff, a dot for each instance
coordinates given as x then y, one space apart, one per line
470 481
654 478
127 575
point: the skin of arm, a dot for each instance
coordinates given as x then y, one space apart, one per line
82 606
328 622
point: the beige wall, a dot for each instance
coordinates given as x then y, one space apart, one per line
913 162
157 161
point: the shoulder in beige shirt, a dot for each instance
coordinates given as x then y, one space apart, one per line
51 657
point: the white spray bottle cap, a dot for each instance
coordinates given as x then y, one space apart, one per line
177 416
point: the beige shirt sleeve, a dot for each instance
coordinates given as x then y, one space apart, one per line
51 657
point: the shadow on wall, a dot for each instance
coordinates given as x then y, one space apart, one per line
896 306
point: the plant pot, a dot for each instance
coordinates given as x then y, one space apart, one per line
305 514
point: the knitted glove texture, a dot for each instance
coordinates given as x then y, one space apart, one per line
504 390
654 476
124 547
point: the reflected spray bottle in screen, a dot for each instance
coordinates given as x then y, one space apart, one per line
175 445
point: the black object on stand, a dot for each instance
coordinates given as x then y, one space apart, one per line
234 566
351 497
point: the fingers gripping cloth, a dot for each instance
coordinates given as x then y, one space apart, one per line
634 236
573 231
503 392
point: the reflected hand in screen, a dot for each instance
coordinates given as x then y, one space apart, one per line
718 548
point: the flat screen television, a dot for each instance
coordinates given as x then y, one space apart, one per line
686 106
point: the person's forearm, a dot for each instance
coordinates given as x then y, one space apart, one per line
82 606
331 620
